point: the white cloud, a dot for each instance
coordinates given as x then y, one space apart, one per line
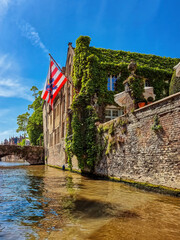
31 34
11 83
6 4
14 88
8 64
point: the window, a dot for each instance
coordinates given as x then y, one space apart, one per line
56 136
68 96
54 116
51 139
111 82
51 119
63 105
112 113
57 110
62 133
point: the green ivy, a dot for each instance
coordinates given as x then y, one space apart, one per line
136 84
68 146
174 84
90 73
144 60
156 126
111 129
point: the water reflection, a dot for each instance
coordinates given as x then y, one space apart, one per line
13 164
90 208
38 202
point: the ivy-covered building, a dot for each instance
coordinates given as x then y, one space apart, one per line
95 76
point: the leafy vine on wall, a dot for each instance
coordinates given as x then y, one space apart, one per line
90 73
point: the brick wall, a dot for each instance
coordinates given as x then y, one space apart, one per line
139 153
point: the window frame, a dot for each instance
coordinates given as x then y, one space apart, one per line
111 83
111 117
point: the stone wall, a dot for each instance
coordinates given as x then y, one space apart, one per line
32 154
56 156
12 158
136 152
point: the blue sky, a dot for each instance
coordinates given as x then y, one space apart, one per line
29 29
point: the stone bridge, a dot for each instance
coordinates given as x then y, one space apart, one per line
32 154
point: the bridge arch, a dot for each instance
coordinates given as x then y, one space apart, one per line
34 155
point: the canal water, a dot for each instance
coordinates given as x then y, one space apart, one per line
40 202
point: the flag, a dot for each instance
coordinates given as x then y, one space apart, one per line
54 82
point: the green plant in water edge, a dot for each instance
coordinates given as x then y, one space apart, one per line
68 149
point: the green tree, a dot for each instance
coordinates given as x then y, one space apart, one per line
34 121
22 143
22 121
34 89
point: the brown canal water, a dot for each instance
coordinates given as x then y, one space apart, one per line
40 202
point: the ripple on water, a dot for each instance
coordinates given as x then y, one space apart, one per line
38 202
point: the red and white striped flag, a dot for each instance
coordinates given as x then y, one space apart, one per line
54 82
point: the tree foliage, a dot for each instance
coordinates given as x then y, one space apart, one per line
22 122
34 89
22 143
32 123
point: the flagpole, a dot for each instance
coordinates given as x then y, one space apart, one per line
55 62
61 71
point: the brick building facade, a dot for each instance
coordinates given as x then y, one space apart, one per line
55 122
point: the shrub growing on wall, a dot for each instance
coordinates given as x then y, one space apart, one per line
174 84
137 86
